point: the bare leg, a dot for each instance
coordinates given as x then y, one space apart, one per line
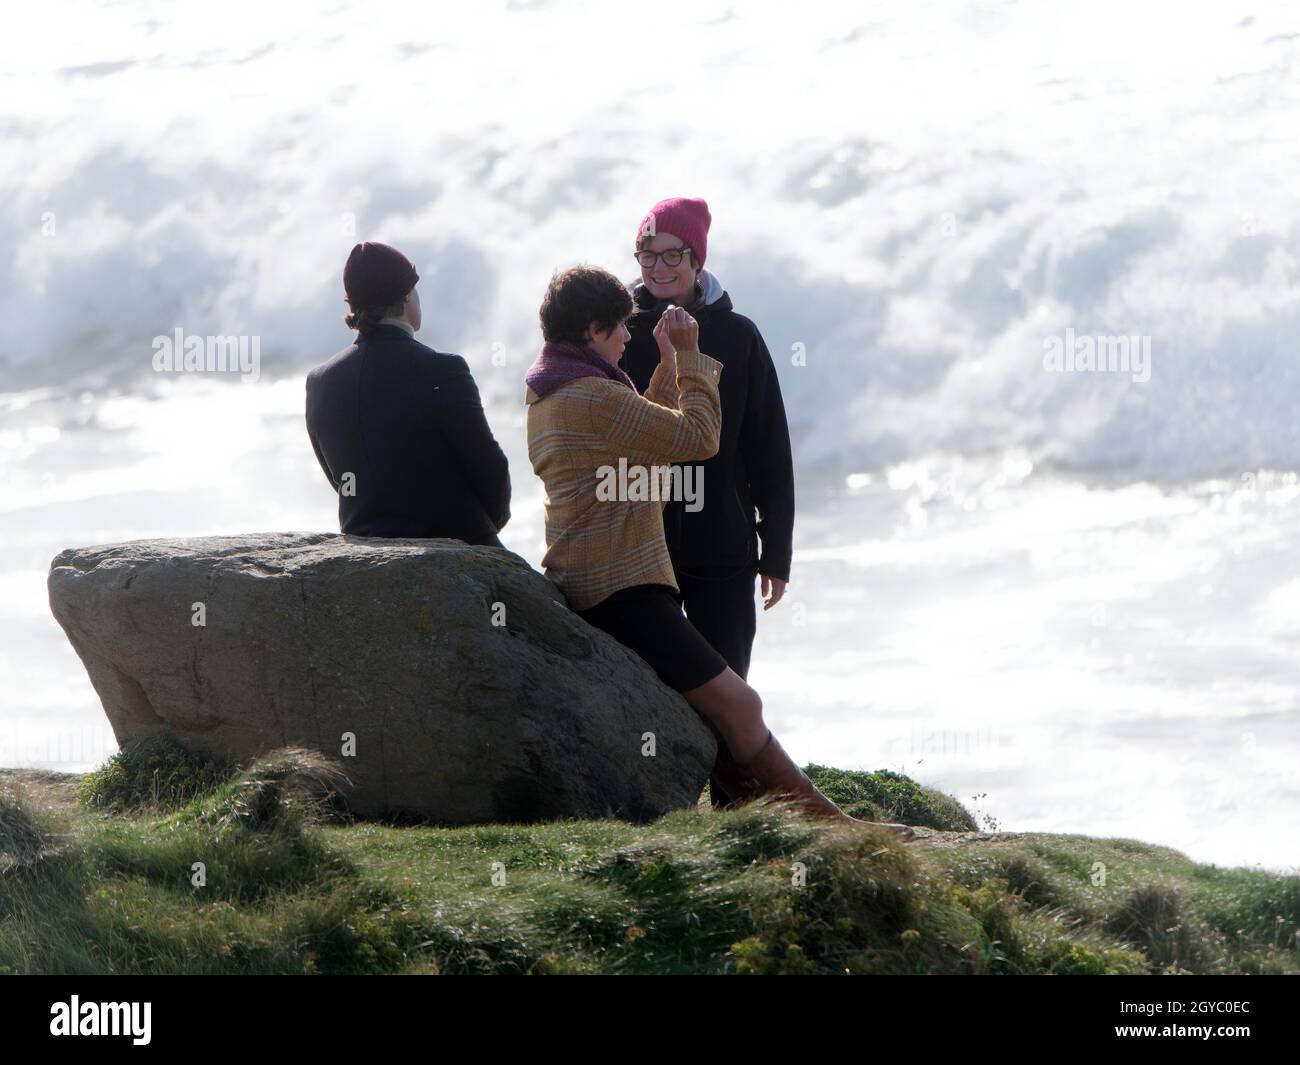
734 710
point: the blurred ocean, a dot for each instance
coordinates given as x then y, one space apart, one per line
1068 592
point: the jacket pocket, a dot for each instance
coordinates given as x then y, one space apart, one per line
748 538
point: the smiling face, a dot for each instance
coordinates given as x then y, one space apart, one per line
609 345
674 283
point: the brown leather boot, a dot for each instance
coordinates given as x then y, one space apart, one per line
772 772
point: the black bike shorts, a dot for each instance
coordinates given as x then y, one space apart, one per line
648 618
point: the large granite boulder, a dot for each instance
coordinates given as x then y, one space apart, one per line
472 692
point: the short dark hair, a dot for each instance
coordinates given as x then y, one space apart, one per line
579 296
365 320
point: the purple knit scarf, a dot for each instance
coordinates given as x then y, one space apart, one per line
562 361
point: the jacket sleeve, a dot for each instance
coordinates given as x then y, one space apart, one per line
315 446
765 443
464 426
662 388
693 432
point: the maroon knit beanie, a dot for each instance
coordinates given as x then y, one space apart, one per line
686 218
377 276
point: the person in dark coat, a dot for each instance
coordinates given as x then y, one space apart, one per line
745 527
398 427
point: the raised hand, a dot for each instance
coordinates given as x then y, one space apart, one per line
667 353
683 330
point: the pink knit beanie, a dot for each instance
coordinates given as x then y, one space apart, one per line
686 218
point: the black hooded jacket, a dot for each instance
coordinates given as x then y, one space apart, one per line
753 469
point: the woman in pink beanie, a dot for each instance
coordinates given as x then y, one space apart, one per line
715 548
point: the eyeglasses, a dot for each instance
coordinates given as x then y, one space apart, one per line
671 257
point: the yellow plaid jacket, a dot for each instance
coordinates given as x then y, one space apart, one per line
595 546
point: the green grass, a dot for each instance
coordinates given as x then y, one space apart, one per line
97 876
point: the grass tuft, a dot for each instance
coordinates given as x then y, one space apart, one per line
1154 916
284 789
23 840
884 795
154 774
